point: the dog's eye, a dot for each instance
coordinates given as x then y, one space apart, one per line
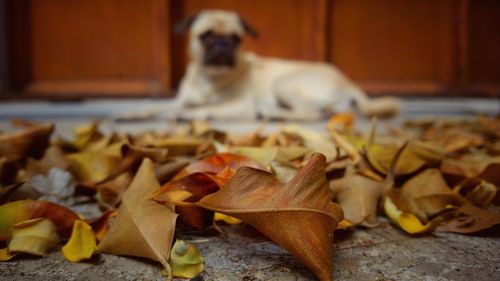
235 38
206 36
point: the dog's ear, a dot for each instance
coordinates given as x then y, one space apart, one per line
185 24
248 28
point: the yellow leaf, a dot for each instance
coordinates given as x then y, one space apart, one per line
408 222
177 145
225 218
81 244
265 155
34 237
15 212
86 134
314 141
185 260
345 224
176 196
92 166
413 158
5 255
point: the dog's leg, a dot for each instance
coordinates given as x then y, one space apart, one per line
241 108
308 95
383 106
327 89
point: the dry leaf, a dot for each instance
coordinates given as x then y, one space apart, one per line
425 195
358 196
455 139
165 171
217 163
53 158
176 145
8 191
413 158
81 244
226 219
132 156
8 171
110 192
18 211
477 191
314 141
491 174
185 260
86 134
5 255
283 172
298 216
346 146
142 228
473 165
35 236
188 190
342 122
471 219
265 155
407 221
93 166
100 225
31 141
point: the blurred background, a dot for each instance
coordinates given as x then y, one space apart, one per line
73 49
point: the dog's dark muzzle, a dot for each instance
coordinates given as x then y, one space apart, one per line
220 51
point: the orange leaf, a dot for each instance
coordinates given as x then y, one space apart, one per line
100 225
198 185
217 163
298 216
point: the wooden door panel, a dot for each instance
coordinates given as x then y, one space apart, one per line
287 28
97 46
390 45
483 54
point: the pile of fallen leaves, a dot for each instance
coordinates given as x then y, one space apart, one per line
295 185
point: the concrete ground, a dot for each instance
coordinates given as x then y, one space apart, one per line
381 253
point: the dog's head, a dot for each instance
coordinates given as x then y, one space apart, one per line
215 37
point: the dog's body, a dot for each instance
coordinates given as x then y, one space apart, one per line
224 82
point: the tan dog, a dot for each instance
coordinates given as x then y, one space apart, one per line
223 81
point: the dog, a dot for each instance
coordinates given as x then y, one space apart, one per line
223 81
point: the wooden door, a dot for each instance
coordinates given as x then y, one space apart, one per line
418 47
392 46
480 61
74 48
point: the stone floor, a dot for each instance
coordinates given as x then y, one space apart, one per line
381 253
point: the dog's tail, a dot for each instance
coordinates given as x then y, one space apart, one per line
381 107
